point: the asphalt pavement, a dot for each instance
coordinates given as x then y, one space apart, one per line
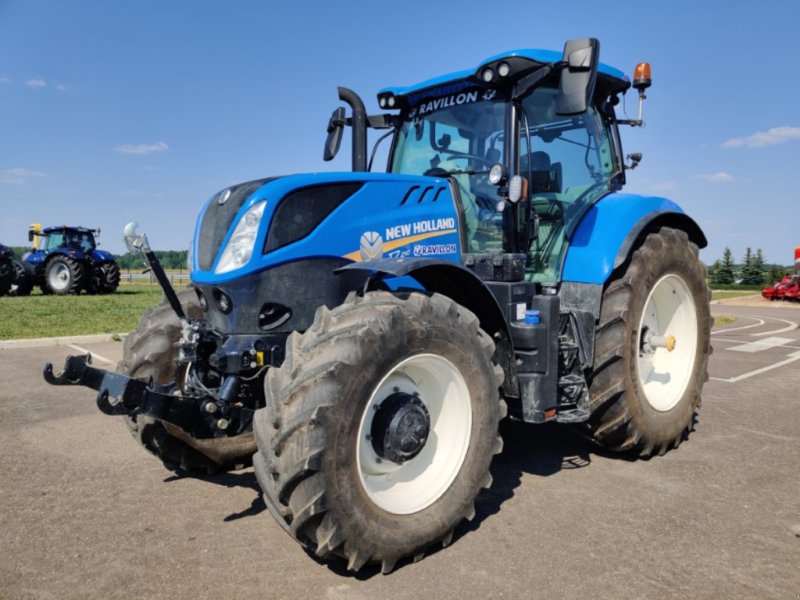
86 513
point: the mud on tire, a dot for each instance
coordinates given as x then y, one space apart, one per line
317 460
149 352
642 401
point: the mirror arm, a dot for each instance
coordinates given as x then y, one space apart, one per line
527 83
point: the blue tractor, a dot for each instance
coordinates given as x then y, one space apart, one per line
66 260
361 335
6 270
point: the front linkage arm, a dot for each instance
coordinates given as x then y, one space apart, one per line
121 395
199 413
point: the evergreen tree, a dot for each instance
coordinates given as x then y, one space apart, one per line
712 271
751 269
724 270
776 273
759 266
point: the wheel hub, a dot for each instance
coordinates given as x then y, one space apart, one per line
400 427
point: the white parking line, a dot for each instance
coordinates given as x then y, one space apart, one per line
792 326
794 356
761 345
794 346
759 322
95 356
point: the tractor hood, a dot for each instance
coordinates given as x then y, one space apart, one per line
101 256
348 217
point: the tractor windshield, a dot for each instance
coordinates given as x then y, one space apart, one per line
78 240
569 166
569 162
458 134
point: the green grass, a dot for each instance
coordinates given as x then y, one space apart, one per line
724 320
725 294
736 287
49 316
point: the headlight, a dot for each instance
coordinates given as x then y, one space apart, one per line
240 247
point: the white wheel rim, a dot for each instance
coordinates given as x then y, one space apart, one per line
669 311
58 277
419 482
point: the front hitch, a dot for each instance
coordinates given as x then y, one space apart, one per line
121 395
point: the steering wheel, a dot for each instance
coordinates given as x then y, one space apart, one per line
436 172
470 156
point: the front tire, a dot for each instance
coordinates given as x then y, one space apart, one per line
651 348
63 275
149 352
379 428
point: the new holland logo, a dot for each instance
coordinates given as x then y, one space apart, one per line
371 246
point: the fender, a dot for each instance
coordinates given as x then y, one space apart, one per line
610 229
446 278
461 286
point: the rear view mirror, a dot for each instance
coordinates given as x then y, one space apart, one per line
335 130
578 76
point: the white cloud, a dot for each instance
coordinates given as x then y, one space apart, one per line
4 79
759 139
61 88
719 177
36 83
142 148
18 176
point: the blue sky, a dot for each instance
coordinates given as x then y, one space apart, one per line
120 111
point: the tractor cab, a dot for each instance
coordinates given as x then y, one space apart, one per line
528 140
68 237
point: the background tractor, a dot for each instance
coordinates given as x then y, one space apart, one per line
6 269
66 260
360 335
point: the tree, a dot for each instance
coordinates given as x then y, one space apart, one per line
759 265
752 268
776 273
724 270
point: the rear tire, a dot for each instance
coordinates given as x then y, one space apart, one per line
324 478
6 276
63 275
149 352
23 283
105 278
644 396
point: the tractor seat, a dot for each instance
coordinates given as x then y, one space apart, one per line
545 177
